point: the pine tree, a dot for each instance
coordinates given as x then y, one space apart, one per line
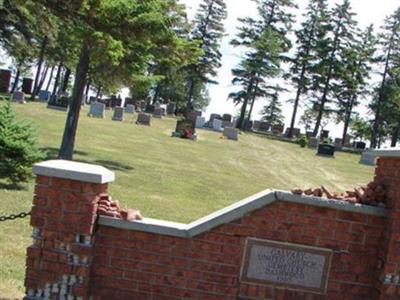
18 149
353 75
265 39
316 17
272 112
208 32
331 39
390 47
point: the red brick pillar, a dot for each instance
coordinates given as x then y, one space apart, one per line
388 174
63 218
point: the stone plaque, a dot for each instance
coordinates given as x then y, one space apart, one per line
290 266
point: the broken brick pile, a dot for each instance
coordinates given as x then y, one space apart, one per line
373 194
111 208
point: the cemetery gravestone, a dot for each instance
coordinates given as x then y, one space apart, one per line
214 116
326 150
231 133
44 96
217 125
264 126
57 103
368 158
157 105
309 134
128 101
227 117
97 110
286 265
324 134
228 124
142 105
192 116
256 125
144 119
360 145
277 129
185 129
248 125
118 114
27 84
171 107
5 79
295 132
313 142
200 121
158 113
130 109
338 143
150 108
18 97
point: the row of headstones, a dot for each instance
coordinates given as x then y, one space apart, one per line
98 110
5 82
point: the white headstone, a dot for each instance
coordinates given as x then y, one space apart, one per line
368 158
97 110
231 133
130 109
157 105
118 114
200 121
217 125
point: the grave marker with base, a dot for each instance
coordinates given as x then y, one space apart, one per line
97 110
144 119
326 150
130 109
118 114
158 113
217 125
231 133
18 97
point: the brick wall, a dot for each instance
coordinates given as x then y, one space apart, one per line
150 266
78 255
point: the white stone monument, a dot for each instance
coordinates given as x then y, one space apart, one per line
368 158
200 121
217 125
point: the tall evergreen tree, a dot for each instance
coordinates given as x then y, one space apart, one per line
325 68
354 75
307 39
389 40
208 32
265 39
272 112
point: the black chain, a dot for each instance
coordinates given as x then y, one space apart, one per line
13 217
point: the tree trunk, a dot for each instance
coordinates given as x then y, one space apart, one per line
71 125
44 75
98 93
395 135
57 80
190 96
349 111
156 93
377 121
15 85
296 102
336 43
245 103
252 105
39 68
67 74
50 78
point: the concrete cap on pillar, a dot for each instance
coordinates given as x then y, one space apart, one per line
390 152
74 171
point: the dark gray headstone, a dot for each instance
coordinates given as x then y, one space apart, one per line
144 119
118 114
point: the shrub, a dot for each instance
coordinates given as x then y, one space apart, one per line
17 147
303 141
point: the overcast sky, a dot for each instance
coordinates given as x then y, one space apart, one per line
368 11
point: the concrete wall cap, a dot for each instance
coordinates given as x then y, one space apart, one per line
74 171
235 212
390 152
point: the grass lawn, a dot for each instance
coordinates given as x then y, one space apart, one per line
166 177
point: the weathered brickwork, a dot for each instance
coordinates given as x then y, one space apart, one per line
75 257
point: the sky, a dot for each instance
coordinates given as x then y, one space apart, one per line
368 11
